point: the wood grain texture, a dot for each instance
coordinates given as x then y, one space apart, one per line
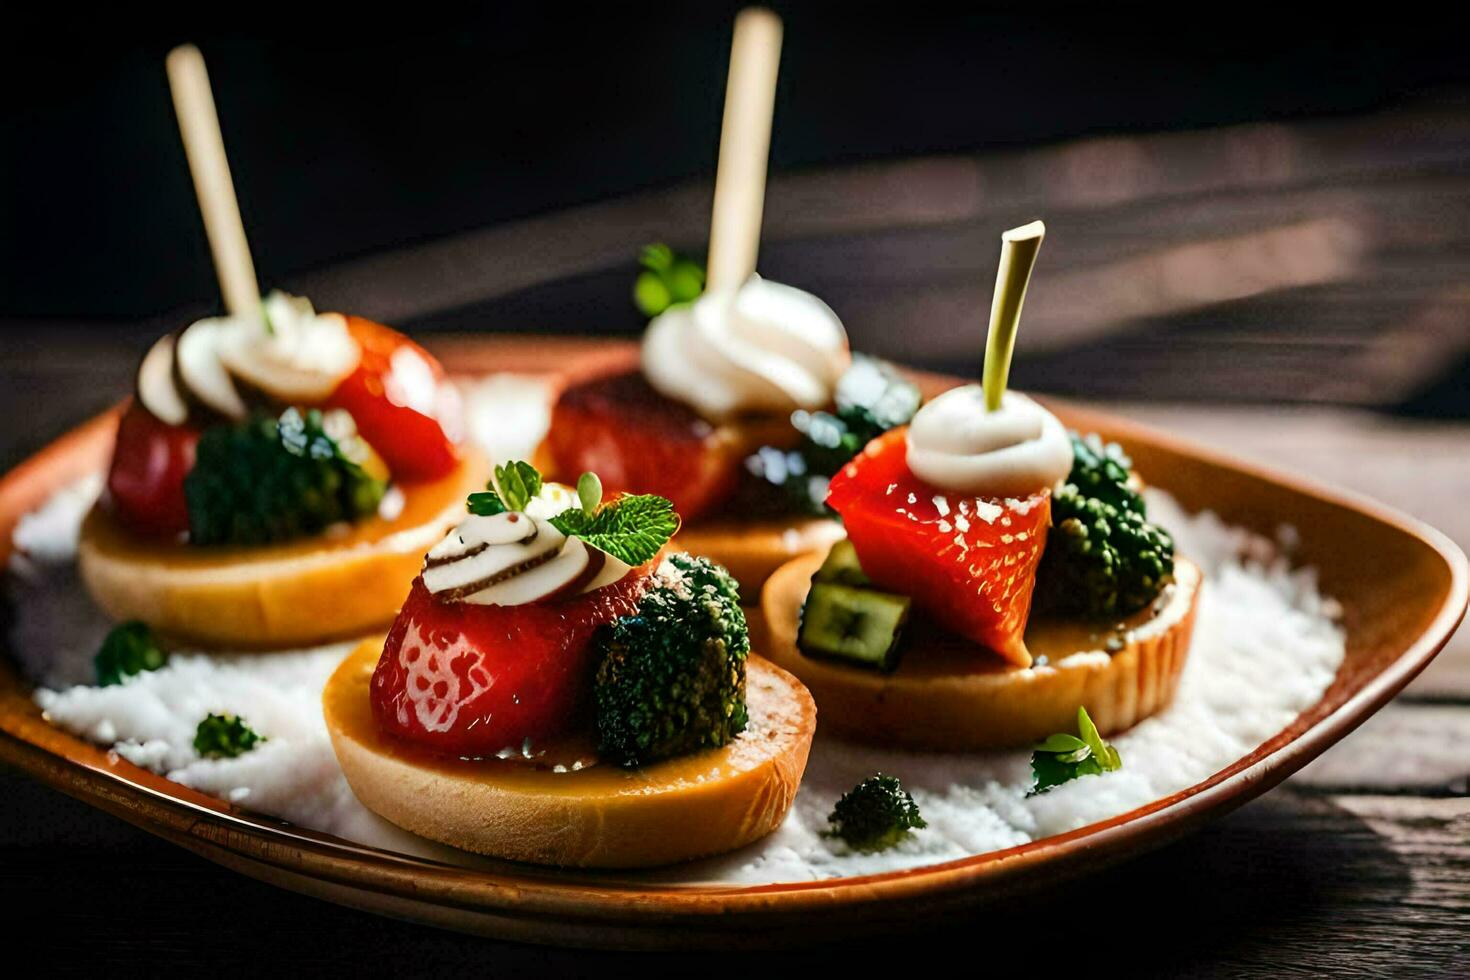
1291 885
1408 748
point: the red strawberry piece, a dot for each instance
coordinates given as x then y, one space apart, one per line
145 483
968 562
469 680
403 405
639 441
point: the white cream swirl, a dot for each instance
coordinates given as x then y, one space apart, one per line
516 558
1018 449
289 354
298 355
763 348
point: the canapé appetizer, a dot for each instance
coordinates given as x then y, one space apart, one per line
560 690
278 471
918 629
753 474
719 377
275 479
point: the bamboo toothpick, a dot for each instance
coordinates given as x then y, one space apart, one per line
1018 248
745 148
205 148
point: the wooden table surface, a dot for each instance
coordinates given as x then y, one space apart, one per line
1295 294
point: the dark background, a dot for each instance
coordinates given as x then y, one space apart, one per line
348 136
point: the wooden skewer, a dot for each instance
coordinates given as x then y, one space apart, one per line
205 148
745 148
1018 249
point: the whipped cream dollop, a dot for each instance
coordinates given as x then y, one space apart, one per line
289 354
762 348
518 557
1014 451
300 355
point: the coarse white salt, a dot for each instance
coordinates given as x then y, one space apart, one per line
508 414
1266 646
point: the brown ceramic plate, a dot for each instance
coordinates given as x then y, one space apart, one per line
1402 585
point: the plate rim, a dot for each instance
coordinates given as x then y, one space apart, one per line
221 832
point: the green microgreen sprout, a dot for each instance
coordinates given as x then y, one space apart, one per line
1061 758
589 493
630 527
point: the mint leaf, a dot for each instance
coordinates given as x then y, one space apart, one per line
486 503
651 294
1062 758
685 280
631 528
518 483
1101 750
1049 770
657 257
515 485
665 280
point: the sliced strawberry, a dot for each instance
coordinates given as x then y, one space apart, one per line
969 562
638 441
469 680
403 405
145 483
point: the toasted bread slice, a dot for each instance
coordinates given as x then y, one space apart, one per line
947 694
601 816
752 550
327 587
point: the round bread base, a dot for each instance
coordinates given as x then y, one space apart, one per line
947 694
300 593
602 816
752 550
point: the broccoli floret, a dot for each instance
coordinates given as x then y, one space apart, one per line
1101 471
266 480
1101 561
672 676
875 814
128 649
1103 558
871 398
224 737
